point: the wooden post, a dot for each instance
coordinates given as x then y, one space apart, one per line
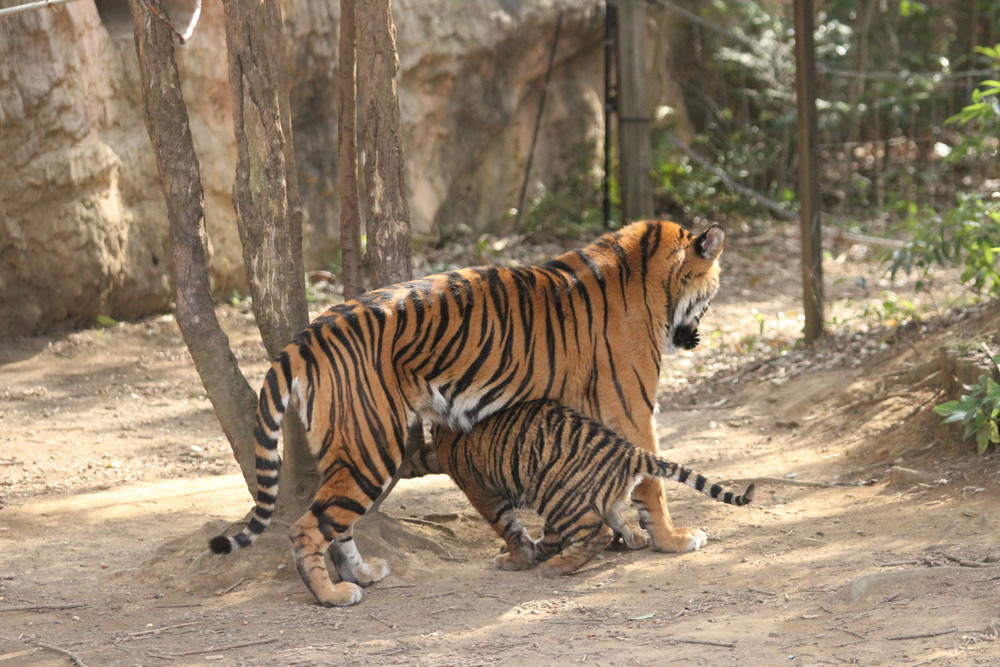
635 152
811 225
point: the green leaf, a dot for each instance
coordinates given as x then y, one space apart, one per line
105 322
947 408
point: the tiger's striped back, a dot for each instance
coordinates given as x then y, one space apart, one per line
575 472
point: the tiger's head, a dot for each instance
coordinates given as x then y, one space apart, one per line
693 285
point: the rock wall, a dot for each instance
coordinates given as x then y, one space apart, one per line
83 226
82 221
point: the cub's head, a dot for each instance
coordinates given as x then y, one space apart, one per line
693 283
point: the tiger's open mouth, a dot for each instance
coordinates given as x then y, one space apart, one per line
686 336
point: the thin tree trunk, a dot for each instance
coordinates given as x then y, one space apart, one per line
269 213
387 213
347 156
809 214
635 149
170 133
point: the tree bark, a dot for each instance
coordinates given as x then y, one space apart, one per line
169 131
387 216
635 149
810 222
268 209
347 156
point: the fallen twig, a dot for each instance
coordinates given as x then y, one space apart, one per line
968 563
784 480
69 654
425 522
762 591
704 642
233 587
153 631
44 607
213 649
383 621
710 406
389 588
924 635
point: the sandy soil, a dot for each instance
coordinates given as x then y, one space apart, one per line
113 473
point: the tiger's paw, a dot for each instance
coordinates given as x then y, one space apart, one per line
511 562
343 594
681 540
374 569
638 539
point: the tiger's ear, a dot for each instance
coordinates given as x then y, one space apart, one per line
710 243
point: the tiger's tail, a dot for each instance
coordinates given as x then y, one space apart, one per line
271 406
659 467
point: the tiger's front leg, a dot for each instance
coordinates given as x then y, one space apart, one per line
652 504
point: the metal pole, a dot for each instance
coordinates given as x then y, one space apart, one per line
31 5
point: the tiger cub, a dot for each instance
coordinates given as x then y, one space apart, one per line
574 471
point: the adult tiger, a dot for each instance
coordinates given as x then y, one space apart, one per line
585 329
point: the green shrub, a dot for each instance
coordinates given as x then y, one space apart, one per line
978 410
966 234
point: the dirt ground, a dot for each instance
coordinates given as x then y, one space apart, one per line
114 472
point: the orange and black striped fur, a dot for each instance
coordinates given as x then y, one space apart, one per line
586 329
575 472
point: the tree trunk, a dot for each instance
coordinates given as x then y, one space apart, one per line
809 204
169 131
635 150
387 216
268 210
347 156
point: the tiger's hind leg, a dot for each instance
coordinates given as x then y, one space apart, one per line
309 545
328 525
351 567
585 537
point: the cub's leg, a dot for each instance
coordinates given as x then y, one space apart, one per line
521 549
499 512
652 504
329 521
550 544
632 537
584 538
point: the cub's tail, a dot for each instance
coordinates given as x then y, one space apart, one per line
659 467
271 408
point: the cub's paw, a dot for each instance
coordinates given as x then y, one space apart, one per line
511 562
638 539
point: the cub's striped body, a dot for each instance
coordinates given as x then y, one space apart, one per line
586 329
575 472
